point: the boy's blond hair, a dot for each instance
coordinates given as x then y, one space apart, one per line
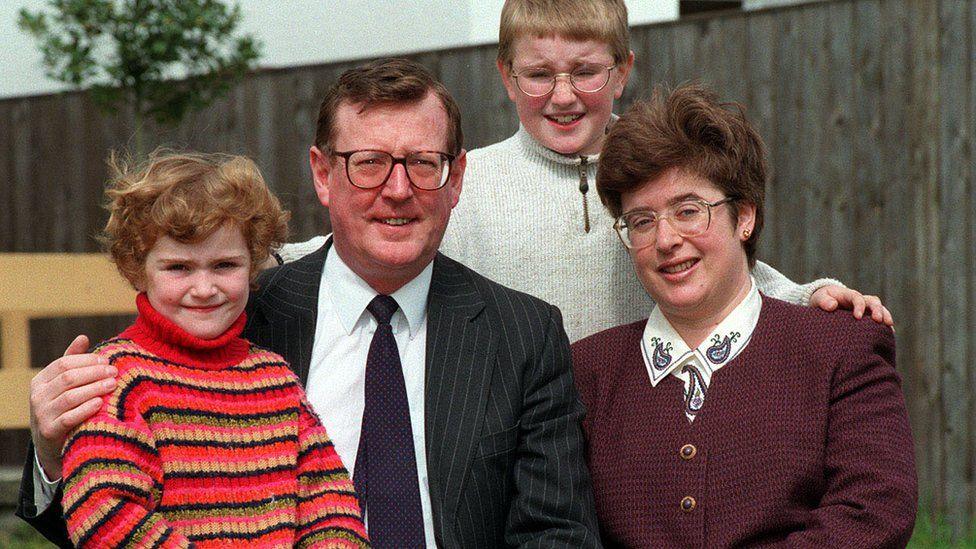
600 20
187 196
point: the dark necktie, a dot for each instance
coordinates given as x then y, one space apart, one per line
386 467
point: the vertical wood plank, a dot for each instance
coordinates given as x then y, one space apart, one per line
970 247
760 101
954 135
21 151
8 183
842 248
686 64
786 186
902 193
656 58
924 114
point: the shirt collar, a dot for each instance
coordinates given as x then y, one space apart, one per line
664 350
351 294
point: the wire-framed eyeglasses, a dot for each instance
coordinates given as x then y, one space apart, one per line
539 81
368 169
638 228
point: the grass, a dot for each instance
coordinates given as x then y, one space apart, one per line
15 533
937 534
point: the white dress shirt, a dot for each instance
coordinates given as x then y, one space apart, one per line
665 353
337 371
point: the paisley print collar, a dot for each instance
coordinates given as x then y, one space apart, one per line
665 352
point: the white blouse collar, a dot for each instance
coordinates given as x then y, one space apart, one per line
664 350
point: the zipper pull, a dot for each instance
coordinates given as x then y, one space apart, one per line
584 186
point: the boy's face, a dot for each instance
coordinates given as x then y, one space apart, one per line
565 120
201 287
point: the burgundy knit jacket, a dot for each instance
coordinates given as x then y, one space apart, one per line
803 440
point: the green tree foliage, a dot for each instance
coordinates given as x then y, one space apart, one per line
164 57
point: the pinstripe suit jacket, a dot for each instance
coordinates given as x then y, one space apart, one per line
504 445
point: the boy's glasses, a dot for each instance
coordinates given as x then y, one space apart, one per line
537 81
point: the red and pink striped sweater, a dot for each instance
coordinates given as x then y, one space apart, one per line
209 442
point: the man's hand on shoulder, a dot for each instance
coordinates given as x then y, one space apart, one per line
832 297
63 395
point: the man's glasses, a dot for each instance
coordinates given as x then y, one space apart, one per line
638 228
537 81
368 169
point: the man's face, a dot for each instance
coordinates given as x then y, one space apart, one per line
565 120
389 234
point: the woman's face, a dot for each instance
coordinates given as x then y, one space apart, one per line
693 278
201 287
565 120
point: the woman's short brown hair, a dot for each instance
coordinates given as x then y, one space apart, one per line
600 20
688 129
187 196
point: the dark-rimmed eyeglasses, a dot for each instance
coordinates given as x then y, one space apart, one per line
638 228
368 169
538 81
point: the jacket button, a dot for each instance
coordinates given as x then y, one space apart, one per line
688 451
688 504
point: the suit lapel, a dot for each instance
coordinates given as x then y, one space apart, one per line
460 360
283 315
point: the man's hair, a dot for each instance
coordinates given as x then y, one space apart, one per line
600 20
382 83
687 129
187 196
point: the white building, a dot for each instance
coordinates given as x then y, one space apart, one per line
302 32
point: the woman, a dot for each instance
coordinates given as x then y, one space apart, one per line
729 418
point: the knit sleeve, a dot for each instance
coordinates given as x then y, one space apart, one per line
774 284
112 485
297 250
871 491
328 511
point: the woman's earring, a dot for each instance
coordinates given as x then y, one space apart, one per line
746 233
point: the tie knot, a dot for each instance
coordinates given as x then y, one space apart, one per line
382 308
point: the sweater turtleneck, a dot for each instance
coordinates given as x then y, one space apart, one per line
530 147
164 338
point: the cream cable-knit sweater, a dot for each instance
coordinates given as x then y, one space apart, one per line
520 222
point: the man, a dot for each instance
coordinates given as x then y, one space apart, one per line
475 442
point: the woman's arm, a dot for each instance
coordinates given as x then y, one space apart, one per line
871 486
328 511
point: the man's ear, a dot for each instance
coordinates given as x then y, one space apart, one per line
457 176
321 170
624 74
507 79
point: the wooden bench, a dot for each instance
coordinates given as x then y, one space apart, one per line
48 286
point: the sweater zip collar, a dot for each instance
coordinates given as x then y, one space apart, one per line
581 162
584 186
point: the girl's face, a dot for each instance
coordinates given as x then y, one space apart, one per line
201 287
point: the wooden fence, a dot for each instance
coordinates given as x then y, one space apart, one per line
867 106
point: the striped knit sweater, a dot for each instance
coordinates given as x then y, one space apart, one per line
204 443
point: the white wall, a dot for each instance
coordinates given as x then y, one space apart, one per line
300 32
